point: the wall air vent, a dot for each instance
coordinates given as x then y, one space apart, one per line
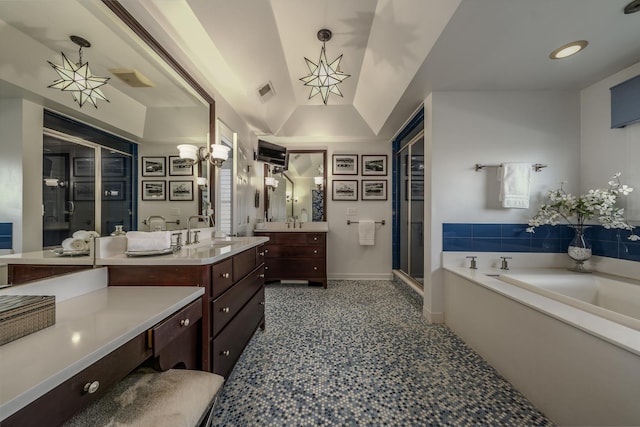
266 92
133 78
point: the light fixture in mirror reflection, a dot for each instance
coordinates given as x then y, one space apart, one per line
218 154
302 192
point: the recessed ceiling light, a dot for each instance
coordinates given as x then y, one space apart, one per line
568 49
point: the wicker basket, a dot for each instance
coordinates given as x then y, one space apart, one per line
22 315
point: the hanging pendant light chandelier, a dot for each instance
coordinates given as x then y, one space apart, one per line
78 79
324 77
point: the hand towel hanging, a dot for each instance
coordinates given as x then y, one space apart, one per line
367 232
515 184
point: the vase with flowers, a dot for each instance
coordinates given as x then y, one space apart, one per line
596 204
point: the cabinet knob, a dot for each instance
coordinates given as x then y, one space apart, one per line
261 275
266 251
184 322
315 251
261 302
224 309
261 253
225 353
315 268
315 238
266 268
92 387
225 275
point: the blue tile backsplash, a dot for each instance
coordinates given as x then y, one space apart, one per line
555 239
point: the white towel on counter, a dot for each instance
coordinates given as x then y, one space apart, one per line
367 232
85 235
515 184
74 245
138 241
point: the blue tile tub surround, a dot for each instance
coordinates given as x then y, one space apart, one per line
6 235
470 237
360 353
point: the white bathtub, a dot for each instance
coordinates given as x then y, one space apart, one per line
611 297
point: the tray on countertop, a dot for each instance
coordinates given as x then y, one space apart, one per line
149 253
64 252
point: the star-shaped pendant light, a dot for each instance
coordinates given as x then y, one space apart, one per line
324 77
78 79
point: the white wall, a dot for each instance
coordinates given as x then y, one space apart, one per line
21 172
605 151
346 259
465 128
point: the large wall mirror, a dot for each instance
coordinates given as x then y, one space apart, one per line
301 190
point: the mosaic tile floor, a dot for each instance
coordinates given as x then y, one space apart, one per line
360 354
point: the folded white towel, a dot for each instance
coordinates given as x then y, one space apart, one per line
85 235
367 232
75 245
515 184
138 241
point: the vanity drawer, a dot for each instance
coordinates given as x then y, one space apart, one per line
310 268
229 304
62 402
305 251
221 277
244 263
172 327
229 343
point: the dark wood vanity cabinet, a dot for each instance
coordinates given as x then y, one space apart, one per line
295 255
233 303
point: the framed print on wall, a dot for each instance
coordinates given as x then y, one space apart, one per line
113 166
374 189
345 164
83 191
83 166
344 190
113 190
416 191
180 190
154 166
374 165
154 190
179 166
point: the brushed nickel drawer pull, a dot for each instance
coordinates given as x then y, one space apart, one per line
224 309
225 275
184 322
261 302
261 275
225 353
261 253
92 387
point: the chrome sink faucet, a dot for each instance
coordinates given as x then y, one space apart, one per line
195 240
505 265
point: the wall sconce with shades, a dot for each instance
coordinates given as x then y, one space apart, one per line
218 154
53 182
202 182
318 181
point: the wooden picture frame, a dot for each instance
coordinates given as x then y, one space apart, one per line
345 164
416 191
84 166
154 166
113 190
374 165
83 191
346 190
180 167
180 191
154 190
113 166
374 189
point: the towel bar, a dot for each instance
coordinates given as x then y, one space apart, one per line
349 222
536 166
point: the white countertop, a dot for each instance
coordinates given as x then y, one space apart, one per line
87 328
207 252
46 257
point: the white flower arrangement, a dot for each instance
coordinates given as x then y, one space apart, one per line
596 203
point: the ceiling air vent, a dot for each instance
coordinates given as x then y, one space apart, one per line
133 78
266 92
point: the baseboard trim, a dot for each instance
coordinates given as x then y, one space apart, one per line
360 276
434 317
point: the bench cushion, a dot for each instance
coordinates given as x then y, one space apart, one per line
173 398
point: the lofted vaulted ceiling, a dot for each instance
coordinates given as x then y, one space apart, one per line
396 51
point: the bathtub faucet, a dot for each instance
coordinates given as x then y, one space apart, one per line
505 265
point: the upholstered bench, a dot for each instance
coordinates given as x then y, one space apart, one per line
174 398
